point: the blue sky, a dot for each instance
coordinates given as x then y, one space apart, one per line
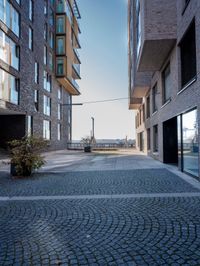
103 70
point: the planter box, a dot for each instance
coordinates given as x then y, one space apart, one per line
13 171
87 149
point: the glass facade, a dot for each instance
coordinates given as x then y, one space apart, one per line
9 87
188 147
9 51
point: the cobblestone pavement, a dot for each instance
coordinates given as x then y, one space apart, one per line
161 226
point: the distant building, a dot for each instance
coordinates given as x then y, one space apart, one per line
164 79
39 65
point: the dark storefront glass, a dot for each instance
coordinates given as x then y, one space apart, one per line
190 147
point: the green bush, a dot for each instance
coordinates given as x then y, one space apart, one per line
26 154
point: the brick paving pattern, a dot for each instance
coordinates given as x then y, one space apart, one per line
97 182
150 230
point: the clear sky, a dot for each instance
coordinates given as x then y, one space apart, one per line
104 71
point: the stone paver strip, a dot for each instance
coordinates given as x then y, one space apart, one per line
97 183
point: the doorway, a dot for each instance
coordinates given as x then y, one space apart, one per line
170 141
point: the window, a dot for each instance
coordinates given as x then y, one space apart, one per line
9 87
148 139
138 26
47 105
188 142
51 61
60 7
36 99
51 17
46 129
47 81
60 66
45 55
45 31
36 72
59 131
166 78
31 10
59 93
9 51
155 138
155 98
9 16
59 111
143 113
60 46
60 25
45 7
188 56
148 107
51 44
30 39
29 125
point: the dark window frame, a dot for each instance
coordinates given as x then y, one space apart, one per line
183 45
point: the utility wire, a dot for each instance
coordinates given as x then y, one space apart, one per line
108 100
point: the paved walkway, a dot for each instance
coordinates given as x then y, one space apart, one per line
114 208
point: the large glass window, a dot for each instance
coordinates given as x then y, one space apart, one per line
36 99
9 87
45 55
60 67
36 72
47 81
60 93
47 105
31 10
30 39
155 138
9 51
51 44
60 24
29 125
59 111
51 61
60 6
148 107
188 56
46 129
190 142
166 84
9 16
59 131
155 98
138 26
60 46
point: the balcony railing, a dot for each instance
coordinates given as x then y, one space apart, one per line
77 68
75 84
76 52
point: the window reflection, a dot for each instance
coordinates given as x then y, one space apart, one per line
190 142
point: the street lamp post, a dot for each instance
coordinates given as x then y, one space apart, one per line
92 129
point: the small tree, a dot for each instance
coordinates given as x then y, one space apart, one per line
25 154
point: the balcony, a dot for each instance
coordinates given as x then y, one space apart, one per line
76 71
134 103
156 32
61 74
77 56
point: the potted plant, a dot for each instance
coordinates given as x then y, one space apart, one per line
25 155
87 141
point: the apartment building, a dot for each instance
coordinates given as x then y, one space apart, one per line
39 66
164 79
